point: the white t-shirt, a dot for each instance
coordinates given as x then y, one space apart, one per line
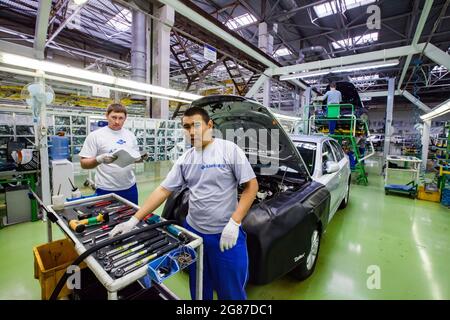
110 177
212 176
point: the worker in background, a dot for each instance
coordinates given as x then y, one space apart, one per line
332 96
212 170
361 143
97 153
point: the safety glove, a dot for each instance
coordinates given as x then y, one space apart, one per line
105 158
124 227
229 235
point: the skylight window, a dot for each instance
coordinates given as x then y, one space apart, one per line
282 52
240 21
350 4
325 9
359 40
121 21
439 69
332 7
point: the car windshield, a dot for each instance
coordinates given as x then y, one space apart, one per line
308 152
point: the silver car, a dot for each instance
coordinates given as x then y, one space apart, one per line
328 164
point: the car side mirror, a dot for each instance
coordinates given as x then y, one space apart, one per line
331 167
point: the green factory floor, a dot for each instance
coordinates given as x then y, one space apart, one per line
403 241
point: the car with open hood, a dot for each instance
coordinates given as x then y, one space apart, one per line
285 224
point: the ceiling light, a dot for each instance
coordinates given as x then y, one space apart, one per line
303 75
355 67
67 71
79 2
440 110
366 66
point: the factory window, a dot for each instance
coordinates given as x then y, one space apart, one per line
240 21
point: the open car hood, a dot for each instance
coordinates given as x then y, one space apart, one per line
247 116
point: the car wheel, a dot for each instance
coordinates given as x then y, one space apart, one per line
344 202
308 264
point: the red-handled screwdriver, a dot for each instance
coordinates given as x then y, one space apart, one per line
103 228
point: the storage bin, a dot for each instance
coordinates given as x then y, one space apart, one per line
170 262
50 263
428 196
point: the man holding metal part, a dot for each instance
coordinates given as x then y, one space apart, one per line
97 152
212 170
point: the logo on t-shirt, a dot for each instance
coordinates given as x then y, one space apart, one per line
214 165
121 141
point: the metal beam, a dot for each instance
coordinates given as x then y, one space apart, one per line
389 112
374 94
416 101
11 47
425 142
40 35
258 84
357 58
64 24
208 25
423 19
437 55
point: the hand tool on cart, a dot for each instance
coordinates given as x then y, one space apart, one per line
80 225
88 252
82 215
125 214
120 209
153 218
118 256
120 272
102 203
134 257
92 240
76 193
106 227
102 254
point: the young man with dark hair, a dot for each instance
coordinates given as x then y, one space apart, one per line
212 170
97 153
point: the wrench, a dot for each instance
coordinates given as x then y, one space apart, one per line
130 268
113 266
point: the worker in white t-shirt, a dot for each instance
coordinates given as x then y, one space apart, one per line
97 153
212 170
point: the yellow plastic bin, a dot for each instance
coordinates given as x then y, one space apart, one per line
50 263
434 196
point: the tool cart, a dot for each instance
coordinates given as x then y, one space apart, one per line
149 254
405 164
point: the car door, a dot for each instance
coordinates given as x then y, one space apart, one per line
344 170
330 180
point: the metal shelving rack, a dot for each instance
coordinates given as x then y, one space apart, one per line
162 139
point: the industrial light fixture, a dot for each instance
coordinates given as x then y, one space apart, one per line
440 110
303 75
87 84
79 2
100 78
367 66
355 67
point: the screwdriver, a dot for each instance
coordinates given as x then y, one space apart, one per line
103 228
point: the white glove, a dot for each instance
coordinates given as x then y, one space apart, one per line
124 227
229 235
105 158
